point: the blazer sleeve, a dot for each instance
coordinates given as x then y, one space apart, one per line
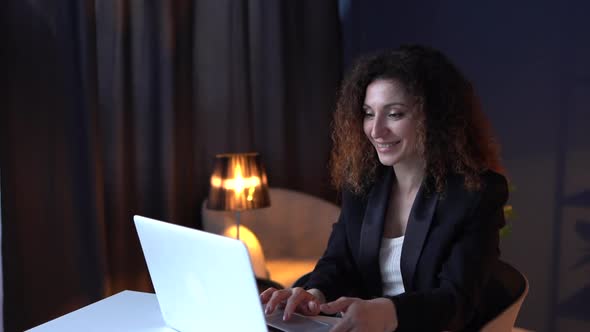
465 272
336 273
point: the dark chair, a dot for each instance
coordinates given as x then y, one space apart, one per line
505 295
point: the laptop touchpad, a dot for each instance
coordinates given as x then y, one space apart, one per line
296 323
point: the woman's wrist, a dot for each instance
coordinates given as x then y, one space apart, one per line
389 312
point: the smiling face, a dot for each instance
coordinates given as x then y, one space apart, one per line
391 118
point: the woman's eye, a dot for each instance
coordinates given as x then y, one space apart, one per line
368 114
397 115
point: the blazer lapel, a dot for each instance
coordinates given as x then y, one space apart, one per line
418 225
372 231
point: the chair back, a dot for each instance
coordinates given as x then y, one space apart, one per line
515 287
293 218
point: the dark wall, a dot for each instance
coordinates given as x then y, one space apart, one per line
530 63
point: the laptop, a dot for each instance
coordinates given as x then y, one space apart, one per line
205 282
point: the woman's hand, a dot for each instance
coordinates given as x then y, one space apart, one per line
377 315
292 299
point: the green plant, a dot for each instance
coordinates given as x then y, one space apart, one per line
508 214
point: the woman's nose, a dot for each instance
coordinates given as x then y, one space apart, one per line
379 129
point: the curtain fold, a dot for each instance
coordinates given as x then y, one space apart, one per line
114 108
1 277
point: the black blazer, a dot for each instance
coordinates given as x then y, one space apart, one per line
450 249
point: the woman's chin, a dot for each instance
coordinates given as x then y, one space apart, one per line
387 160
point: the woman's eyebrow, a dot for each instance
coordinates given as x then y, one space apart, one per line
388 105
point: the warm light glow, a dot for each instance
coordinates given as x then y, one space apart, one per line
254 248
238 183
216 181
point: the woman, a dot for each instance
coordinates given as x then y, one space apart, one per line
422 202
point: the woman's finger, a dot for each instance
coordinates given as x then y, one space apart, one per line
340 305
265 296
309 307
344 325
276 298
298 295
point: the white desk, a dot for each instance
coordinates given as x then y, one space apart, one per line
127 311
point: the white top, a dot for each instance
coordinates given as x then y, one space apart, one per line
389 264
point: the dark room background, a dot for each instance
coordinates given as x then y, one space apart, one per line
111 108
529 61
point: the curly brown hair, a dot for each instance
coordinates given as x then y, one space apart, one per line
454 135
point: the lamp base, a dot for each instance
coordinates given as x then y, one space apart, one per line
237 225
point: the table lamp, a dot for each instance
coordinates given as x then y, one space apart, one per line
238 183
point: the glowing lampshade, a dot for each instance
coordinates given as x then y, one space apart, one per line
238 183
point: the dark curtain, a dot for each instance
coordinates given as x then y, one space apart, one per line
113 108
